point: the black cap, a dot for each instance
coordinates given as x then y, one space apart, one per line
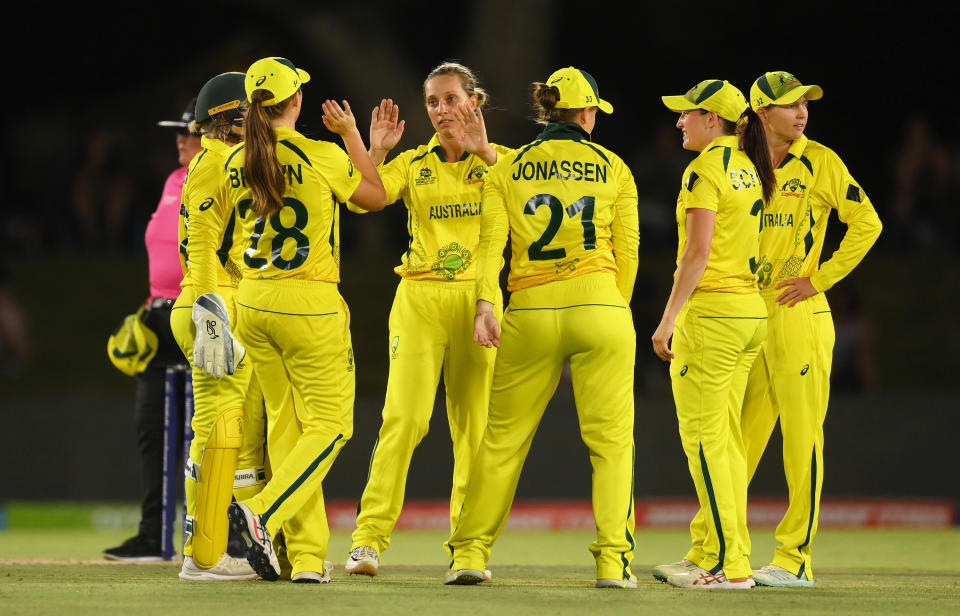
185 118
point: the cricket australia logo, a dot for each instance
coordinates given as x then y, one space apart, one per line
425 177
476 174
452 260
793 188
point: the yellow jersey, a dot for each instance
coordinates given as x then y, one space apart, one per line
810 181
302 240
724 180
210 250
569 207
443 200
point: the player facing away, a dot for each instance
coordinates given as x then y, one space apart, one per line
790 380
431 320
570 209
227 454
717 321
291 318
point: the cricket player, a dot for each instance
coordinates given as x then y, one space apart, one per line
717 321
227 452
431 321
790 380
286 189
570 208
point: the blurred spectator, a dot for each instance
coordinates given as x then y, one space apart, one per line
854 369
102 191
926 187
14 337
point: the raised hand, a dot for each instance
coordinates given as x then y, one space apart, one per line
470 130
337 120
386 128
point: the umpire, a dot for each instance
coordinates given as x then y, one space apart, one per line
165 277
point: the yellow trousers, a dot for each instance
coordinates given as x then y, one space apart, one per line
584 321
297 332
431 332
791 382
213 396
715 341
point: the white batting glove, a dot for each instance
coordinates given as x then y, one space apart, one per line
215 351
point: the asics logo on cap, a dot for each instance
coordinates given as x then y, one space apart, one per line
261 80
556 80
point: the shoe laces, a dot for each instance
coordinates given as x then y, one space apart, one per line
364 551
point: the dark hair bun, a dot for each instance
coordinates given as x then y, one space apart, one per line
547 96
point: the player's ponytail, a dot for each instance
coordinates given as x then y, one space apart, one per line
753 141
262 169
545 99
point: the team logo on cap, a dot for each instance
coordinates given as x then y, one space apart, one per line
261 80
452 260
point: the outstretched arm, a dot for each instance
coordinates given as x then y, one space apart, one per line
370 194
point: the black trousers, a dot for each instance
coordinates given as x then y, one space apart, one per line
148 415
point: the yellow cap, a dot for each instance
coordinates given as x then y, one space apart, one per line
578 89
780 88
713 95
132 345
276 75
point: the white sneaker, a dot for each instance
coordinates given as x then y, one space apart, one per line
701 578
630 582
256 540
312 577
227 568
772 575
465 577
363 561
487 575
662 572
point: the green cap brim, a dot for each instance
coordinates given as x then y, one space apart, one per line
811 93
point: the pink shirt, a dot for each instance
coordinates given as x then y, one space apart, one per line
161 240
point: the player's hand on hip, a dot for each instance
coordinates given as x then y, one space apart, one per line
661 340
486 329
215 351
797 290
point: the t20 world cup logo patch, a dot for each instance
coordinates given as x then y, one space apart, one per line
452 260
425 177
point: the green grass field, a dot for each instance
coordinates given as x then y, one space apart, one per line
51 571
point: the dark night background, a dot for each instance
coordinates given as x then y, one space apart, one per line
84 88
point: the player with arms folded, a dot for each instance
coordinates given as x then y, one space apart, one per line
569 207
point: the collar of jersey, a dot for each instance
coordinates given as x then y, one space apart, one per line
564 130
212 144
797 147
435 147
723 141
284 131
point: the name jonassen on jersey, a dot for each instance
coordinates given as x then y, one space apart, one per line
565 170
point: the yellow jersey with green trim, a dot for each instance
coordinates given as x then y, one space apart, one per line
724 180
569 207
443 200
811 181
210 250
302 239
